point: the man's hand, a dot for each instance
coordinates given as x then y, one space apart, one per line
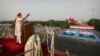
28 14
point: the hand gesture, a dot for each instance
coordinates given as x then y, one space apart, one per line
28 14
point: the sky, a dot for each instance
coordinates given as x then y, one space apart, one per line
43 10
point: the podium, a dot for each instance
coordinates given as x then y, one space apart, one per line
27 30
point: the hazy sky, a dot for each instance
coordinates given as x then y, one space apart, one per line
50 9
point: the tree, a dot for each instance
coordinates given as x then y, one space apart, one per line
95 23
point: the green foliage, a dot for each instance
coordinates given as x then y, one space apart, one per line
72 23
62 24
95 23
57 23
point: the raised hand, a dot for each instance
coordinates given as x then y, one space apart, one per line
28 14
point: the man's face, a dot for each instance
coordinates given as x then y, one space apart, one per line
20 16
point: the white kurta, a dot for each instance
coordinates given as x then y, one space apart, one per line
33 43
18 27
29 45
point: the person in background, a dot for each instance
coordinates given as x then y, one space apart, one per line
18 26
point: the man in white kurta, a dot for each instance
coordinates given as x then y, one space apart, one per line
18 26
